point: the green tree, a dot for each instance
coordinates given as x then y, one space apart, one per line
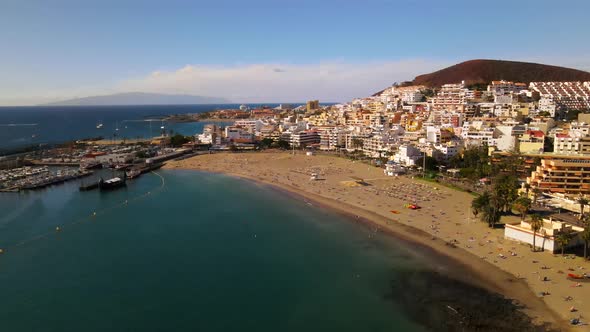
505 191
431 163
563 238
583 201
491 213
479 203
178 140
522 205
536 224
266 142
282 144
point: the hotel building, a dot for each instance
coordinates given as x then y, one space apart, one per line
565 175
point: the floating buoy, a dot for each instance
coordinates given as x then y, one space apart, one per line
93 213
57 229
1 251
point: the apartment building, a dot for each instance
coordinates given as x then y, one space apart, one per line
252 125
332 139
450 97
304 138
407 155
566 175
566 95
533 141
575 142
506 87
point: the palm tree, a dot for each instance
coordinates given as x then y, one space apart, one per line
522 205
563 238
478 203
536 223
583 201
491 212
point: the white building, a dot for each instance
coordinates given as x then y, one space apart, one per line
332 139
576 141
412 96
304 138
477 133
393 169
546 104
233 133
545 237
253 126
447 150
407 155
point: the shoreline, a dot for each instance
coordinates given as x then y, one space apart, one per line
481 273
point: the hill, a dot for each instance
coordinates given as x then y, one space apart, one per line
139 98
485 71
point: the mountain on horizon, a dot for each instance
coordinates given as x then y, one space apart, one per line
139 98
485 71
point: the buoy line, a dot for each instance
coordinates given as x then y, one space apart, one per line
92 216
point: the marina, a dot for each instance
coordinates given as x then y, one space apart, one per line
30 178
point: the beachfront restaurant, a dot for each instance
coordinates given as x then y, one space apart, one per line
546 237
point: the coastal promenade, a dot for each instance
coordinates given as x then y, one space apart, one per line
360 190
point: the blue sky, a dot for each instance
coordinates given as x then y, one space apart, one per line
56 49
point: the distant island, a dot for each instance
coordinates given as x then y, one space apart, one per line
139 98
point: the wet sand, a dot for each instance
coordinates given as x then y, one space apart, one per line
445 216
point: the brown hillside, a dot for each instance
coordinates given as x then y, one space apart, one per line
485 71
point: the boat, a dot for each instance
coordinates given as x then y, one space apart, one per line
99 125
112 183
91 165
133 173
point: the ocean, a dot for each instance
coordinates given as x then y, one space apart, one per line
193 251
199 252
33 126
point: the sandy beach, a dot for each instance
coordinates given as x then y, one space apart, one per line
501 265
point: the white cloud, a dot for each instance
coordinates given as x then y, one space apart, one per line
269 82
329 81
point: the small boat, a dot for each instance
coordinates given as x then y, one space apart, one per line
112 183
99 125
133 173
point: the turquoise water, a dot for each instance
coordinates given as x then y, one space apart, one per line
192 251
